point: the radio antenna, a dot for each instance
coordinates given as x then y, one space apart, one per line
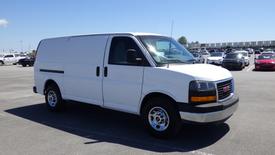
171 35
172 28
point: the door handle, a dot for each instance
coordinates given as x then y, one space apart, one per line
97 71
105 71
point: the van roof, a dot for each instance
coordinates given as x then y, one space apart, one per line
115 33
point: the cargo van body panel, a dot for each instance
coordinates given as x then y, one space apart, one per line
84 55
164 81
144 74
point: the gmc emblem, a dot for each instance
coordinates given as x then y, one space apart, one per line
226 89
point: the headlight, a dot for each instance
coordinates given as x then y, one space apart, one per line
202 92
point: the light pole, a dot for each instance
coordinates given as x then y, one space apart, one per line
21 44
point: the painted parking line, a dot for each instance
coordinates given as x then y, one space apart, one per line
250 68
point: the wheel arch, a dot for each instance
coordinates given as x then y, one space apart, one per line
147 97
48 83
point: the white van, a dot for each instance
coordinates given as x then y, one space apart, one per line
144 74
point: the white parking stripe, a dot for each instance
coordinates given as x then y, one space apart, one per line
250 68
200 153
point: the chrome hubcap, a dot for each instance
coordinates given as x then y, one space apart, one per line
158 119
52 98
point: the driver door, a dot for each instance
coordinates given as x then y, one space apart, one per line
122 82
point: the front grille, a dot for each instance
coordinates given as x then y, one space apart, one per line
224 89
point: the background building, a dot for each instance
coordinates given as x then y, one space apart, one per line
248 44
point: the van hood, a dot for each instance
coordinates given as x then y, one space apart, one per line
204 72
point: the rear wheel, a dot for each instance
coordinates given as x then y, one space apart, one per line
1 63
161 118
53 98
24 65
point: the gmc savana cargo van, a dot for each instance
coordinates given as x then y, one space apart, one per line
144 74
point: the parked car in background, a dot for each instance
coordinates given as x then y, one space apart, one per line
28 61
216 58
268 52
250 51
228 50
1 59
198 57
20 56
257 53
233 61
245 55
8 59
265 62
205 55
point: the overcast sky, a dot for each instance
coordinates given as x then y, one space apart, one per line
23 23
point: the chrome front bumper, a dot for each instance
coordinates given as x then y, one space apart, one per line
225 110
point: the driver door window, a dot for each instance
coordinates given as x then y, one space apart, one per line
119 52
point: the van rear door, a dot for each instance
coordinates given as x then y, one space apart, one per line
122 81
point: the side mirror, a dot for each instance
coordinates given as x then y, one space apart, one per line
132 57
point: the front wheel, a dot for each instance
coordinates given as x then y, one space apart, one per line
53 98
161 118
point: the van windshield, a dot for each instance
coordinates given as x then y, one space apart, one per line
166 50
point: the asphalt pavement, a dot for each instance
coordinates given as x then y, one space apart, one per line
27 127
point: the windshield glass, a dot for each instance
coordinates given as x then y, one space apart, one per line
261 57
233 56
165 50
216 54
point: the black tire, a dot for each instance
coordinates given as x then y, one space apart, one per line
53 98
1 63
174 125
24 65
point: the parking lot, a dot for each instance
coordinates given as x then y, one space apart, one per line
27 127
